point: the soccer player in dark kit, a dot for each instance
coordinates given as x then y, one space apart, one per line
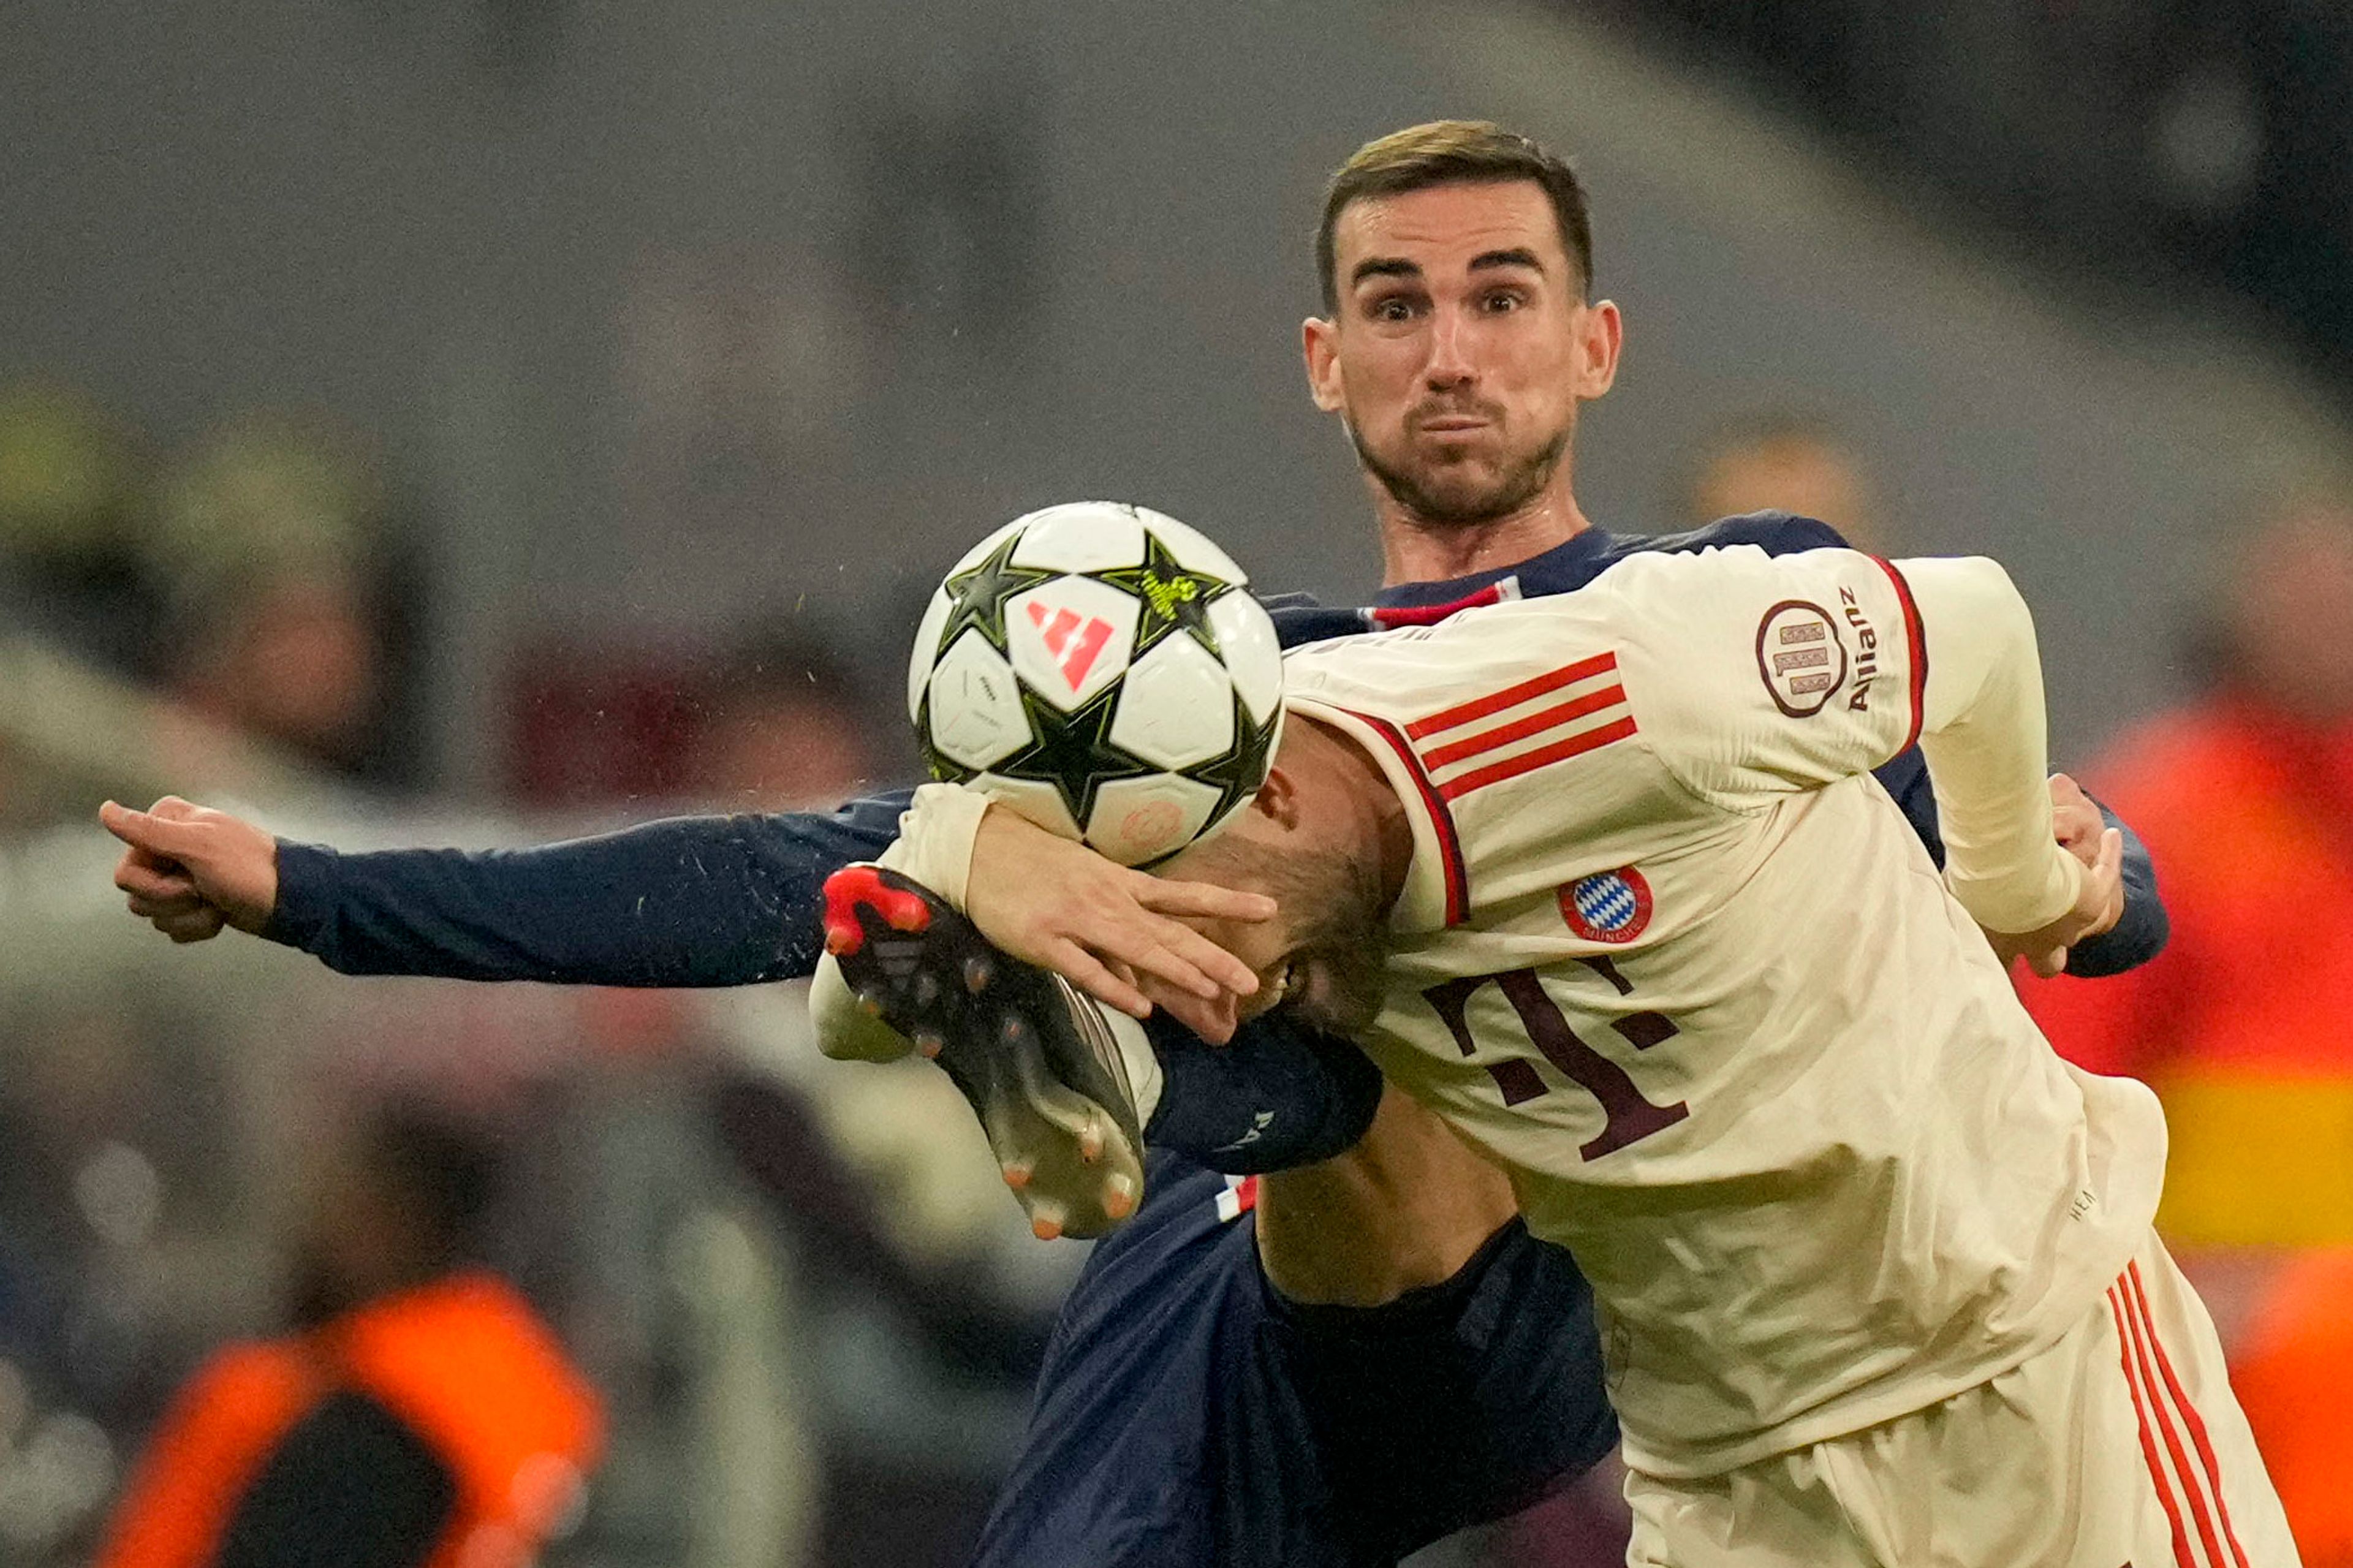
1332 1365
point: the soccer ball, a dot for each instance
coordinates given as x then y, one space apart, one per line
1103 670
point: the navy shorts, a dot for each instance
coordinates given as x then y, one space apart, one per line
1188 1417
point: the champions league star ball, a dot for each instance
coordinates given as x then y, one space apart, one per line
1105 671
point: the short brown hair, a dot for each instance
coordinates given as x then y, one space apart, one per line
1453 153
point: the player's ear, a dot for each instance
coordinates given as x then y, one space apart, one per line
1319 344
1601 333
1278 799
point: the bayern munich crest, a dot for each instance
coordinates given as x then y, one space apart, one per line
1609 906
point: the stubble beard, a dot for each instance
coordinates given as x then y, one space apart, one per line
1431 507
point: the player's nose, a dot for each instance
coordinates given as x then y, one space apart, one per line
1449 365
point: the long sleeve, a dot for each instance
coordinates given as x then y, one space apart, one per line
1982 729
2139 934
691 901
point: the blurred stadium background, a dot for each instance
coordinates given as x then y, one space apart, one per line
476 421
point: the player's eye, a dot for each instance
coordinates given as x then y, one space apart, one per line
1499 301
1391 308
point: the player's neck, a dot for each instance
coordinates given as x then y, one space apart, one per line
1415 551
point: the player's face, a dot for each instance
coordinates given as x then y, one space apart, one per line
1461 347
1320 955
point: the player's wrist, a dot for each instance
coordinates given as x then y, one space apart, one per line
252 915
2028 895
297 900
937 834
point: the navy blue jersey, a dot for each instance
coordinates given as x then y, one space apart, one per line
1188 1417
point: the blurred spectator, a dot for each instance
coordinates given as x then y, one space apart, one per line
2245 797
591 726
267 549
1786 462
69 479
789 726
423 1414
2293 1374
783 722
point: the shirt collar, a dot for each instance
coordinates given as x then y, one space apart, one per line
1570 565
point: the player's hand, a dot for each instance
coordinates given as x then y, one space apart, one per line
1106 929
191 870
2075 819
1213 1018
2099 904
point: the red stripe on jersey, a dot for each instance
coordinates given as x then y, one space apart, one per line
2138 1294
1521 728
1239 1197
2204 1520
1442 821
2149 1456
1388 616
1918 646
1543 756
1512 695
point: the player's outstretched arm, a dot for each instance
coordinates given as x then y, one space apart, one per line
2142 925
1798 670
692 902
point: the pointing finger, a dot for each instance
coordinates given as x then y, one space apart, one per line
144 830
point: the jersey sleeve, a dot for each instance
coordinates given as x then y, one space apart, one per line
1850 659
1757 675
699 901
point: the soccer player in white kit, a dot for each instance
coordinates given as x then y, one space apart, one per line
1602 879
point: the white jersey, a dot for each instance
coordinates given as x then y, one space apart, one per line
1671 957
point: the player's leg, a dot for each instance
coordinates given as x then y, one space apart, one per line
1187 1416
2119 1444
2191 1438
1456 1404
1164 1433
